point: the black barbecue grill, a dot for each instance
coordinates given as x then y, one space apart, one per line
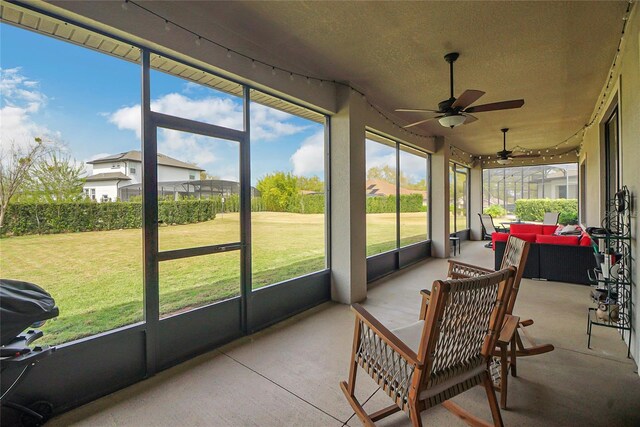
23 306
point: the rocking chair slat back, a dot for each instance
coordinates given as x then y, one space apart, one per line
457 339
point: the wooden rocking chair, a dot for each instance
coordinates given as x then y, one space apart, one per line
446 352
510 341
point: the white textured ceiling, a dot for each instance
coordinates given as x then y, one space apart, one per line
555 55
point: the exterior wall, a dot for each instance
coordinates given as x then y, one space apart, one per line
626 94
171 173
108 188
552 189
136 177
110 167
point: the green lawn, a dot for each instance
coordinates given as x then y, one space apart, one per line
381 230
96 277
460 222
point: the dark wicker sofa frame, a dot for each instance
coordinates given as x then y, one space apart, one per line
559 263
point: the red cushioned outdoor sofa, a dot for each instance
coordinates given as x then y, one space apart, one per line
551 257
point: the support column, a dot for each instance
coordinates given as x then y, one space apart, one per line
475 202
440 199
348 209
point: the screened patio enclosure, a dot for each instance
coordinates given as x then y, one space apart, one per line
197 189
503 186
301 132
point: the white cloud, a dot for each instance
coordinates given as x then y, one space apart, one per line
378 155
413 167
127 118
309 158
266 124
187 147
222 112
21 99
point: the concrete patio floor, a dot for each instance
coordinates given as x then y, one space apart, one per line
288 375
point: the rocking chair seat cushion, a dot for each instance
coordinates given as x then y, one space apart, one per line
411 334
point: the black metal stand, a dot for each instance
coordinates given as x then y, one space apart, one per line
612 281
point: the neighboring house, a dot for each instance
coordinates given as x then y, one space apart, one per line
111 173
380 187
558 184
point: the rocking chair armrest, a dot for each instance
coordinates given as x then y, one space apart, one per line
461 270
509 328
386 335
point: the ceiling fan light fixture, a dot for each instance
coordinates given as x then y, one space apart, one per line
506 161
452 120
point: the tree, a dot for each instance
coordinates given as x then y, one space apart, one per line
16 161
206 176
55 177
385 173
420 185
388 173
278 191
310 184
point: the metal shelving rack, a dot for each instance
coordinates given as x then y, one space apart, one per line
613 279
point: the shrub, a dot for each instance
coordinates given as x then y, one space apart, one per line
495 211
61 217
534 209
387 204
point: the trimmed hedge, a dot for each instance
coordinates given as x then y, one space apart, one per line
49 218
65 217
534 209
387 204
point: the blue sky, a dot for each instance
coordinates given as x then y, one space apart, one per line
89 101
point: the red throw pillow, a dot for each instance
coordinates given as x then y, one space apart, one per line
527 237
558 240
498 237
548 230
526 228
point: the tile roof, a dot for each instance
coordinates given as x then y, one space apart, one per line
108 176
136 156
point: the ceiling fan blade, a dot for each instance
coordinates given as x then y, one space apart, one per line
467 98
421 121
502 105
469 118
409 110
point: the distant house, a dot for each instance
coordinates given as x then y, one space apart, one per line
112 173
380 187
558 184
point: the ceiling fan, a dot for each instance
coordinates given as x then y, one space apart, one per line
505 157
453 112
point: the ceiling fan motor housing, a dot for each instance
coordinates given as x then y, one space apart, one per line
451 57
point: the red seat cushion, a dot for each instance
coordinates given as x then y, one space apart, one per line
498 237
526 228
527 237
585 240
548 230
558 240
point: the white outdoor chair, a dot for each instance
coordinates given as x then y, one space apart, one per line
551 218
